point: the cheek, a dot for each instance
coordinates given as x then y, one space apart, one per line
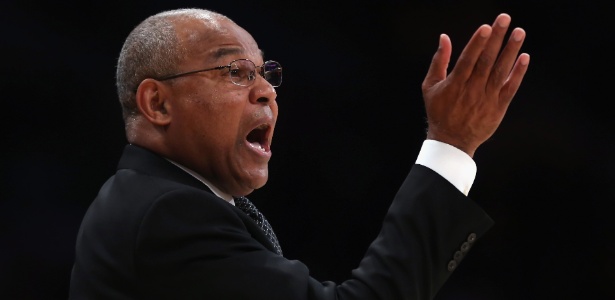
217 111
221 101
225 119
211 105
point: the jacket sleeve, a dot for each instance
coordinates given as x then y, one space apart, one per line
194 248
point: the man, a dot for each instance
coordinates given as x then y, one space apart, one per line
200 108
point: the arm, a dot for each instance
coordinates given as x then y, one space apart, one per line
192 245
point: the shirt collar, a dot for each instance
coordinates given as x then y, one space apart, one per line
213 188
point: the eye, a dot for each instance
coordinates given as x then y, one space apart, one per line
235 72
243 74
251 75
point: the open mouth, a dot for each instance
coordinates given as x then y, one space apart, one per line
258 137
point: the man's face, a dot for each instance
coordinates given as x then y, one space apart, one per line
221 130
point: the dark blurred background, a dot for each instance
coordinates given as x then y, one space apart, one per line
351 123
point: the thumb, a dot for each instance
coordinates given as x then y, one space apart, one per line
439 63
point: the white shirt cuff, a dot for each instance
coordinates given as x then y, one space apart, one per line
451 163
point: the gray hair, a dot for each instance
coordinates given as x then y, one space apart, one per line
152 50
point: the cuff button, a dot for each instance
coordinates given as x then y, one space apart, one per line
452 265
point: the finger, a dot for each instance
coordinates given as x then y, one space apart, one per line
467 59
439 63
514 79
488 57
502 68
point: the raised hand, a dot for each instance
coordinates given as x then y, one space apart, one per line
464 108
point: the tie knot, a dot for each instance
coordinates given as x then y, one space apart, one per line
244 204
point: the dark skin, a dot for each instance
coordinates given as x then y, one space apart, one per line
465 107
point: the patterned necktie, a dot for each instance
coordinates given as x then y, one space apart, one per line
248 207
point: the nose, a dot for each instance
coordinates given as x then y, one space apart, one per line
262 91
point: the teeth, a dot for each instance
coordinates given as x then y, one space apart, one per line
258 146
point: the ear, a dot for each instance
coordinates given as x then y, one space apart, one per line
152 102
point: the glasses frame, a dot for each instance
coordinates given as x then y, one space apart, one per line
250 82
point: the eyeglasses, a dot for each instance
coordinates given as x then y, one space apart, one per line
243 72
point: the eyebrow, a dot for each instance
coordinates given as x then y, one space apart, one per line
222 52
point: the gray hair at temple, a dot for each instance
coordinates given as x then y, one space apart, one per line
152 50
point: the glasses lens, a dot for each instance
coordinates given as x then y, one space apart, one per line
243 72
272 71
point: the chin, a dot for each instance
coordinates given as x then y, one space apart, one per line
249 189
259 183
252 180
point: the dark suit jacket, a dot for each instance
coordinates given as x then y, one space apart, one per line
156 232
